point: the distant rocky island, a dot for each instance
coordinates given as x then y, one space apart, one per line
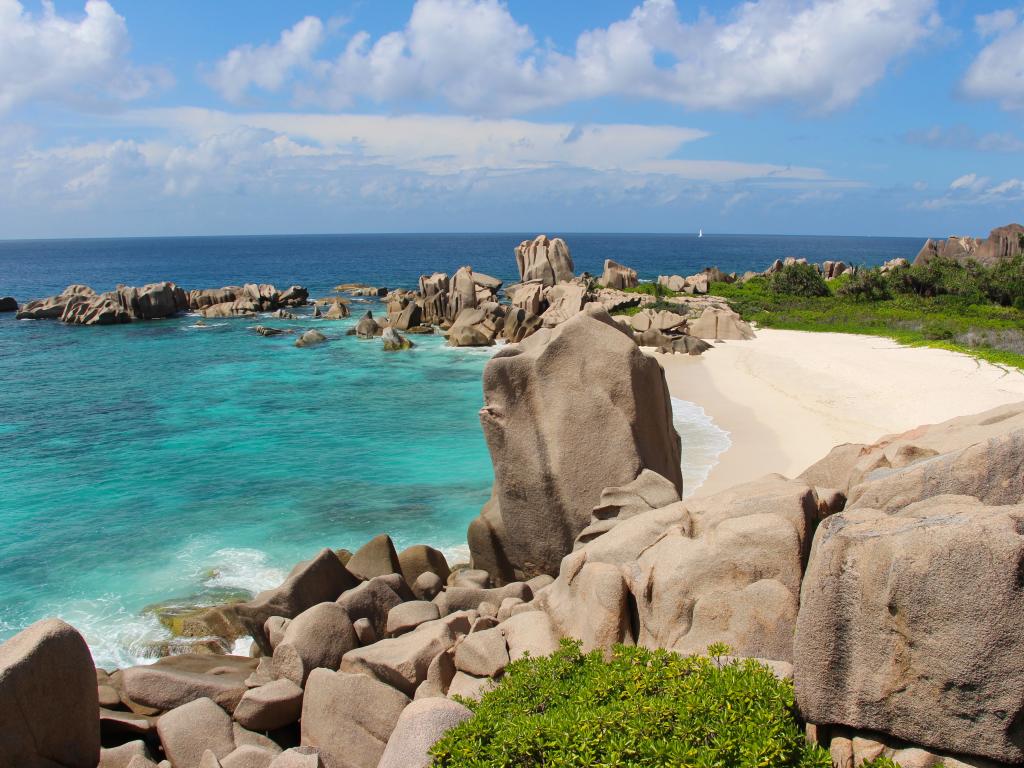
884 580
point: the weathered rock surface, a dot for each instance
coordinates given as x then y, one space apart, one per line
402 661
720 323
394 341
190 730
477 326
8 304
912 624
49 710
418 559
349 717
176 680
317 637
372 600
545 260
53 307
616 275
319 580
722 568
549 401
420 726
377 557
1002 244
270 706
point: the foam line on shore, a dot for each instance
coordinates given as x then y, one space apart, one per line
703 442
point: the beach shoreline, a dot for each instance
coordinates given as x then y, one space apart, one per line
788 397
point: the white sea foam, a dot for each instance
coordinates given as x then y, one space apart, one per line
240 568
703 442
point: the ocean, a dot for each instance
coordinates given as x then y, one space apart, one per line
166 460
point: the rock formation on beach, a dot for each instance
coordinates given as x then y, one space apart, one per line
615 275
1002 244
547 400
544 260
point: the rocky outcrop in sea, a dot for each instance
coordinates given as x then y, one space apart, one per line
1002 244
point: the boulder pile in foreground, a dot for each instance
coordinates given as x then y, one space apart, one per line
885 581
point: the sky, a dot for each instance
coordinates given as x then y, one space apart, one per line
847 117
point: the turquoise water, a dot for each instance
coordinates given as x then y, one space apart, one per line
160 460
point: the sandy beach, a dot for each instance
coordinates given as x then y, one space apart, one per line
787 397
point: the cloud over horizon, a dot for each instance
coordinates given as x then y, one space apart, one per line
477 58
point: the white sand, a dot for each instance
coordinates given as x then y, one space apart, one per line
788 397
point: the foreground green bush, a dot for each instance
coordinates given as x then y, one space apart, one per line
641 708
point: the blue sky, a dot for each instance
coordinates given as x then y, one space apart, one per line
874 117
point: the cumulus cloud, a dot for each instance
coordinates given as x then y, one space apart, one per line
267 66
997 73
476 57
974 190
49 57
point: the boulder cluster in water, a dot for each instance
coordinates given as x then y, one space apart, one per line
469 307
885 581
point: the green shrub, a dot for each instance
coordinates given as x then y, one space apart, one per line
941 276
1004 283
640 708
866 285
799 280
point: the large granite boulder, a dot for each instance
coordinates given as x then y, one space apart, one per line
568 412
49 706
720 323
616 275
314 581
978 455
1002 244
186 733
564 300
349 717
434 290
317 637
722 568
545 260
477 326
54 307
912 623
420 726
463 291
176 680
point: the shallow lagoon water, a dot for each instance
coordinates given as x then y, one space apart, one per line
164 460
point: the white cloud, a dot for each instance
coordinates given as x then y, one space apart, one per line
267 66
445 144
997 73
53 58
475 56
973 190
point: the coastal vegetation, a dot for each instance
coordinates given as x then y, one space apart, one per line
968 308
640 707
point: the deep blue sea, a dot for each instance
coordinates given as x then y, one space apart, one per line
164 460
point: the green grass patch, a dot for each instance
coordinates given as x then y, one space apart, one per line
961 322
639 708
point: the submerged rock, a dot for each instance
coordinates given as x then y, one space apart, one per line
394 341
310 338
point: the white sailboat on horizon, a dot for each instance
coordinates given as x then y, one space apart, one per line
700 232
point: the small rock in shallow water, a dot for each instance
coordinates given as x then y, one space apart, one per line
310 338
